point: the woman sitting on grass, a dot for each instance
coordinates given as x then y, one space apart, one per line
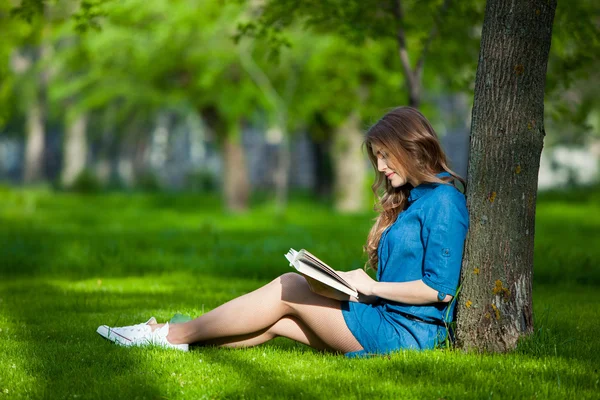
415 245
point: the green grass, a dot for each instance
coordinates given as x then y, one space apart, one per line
72 262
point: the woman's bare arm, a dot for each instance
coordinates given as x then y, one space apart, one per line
412 292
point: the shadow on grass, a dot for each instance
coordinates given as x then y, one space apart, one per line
566 252
50 251
411 374
55 326
574 195
55 331
259 380
28 250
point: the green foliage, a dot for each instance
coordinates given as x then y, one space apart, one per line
450 57
14 33
28 10
332 58
572 78
575 51
89 15
452 53
356 81
148 56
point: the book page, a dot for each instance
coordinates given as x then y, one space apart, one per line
324 278
310 268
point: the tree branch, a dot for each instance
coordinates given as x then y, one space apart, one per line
434 31
411 79
260 78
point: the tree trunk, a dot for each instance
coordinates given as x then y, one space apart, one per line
323 168
320 139
159 146
236 185
125 170
350 170
105 168
507 133
36 115
282 173
75 150
35 142
281 104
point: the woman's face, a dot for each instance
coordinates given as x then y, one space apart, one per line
394 173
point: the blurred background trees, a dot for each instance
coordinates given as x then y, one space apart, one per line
247 96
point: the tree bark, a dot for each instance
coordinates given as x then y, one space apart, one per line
75 150
350 170
507 133
236 184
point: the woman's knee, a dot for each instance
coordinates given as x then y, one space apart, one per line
294 288
292 279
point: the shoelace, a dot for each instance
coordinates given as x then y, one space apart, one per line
128 329
133 328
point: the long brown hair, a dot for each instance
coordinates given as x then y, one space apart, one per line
411 144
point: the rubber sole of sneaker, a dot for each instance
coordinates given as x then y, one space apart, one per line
181 347
162 343
110 334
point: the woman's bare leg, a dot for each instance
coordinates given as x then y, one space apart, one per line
289 327
253 313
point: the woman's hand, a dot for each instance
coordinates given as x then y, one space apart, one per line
360 280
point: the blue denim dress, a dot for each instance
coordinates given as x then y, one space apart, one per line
425 242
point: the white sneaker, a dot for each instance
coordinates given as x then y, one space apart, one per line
159 337
126 335
140 335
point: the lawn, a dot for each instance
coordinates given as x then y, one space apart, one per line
69 263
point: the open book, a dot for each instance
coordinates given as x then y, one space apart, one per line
318 273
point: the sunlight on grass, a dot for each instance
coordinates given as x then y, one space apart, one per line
72 262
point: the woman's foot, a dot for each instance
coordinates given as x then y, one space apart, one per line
125 335
140 335
155 325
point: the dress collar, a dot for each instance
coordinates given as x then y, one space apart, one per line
423 188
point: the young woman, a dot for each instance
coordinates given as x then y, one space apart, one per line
415 245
